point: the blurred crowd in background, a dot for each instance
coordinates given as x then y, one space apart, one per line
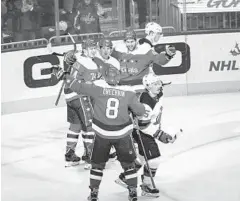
24 20
32 19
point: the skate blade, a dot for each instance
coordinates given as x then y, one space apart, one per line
87 166
119 182
71 164
155 195
90 199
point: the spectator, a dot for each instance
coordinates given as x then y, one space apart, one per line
65 26
142 13
12 19
30 19
3 14
87 17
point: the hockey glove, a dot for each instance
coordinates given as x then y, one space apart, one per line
61 74
170 51
69 57
163 137
159 48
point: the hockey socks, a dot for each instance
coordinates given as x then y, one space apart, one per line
72 139
71 159
95 177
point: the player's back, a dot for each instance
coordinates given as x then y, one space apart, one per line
111 111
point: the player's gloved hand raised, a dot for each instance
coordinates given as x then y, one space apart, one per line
170 51
69 57
61 74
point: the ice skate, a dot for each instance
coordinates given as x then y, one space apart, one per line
93 195
148 190
121 181
132 194
86 159
87 166
71 159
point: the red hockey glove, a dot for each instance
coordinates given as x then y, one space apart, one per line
69 57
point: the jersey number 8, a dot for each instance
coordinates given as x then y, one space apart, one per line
112 108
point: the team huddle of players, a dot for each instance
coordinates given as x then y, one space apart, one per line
114 97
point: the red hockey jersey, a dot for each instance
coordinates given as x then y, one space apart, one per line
111 108
134 67
84 69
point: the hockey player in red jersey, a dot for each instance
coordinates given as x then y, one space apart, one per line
130 45
105 50
103 58
79 107
113 127
135 66
149 127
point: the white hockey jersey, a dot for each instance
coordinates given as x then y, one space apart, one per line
150 124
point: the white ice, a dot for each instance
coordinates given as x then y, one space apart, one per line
202 165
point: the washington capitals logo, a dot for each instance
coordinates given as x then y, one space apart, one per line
236 50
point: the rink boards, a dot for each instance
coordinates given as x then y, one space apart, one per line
204 63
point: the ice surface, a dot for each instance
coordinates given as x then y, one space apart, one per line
202 165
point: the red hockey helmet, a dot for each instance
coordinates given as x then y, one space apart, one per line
112 75
130 34
105 43
88 43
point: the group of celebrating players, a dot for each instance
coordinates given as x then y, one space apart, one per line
114 99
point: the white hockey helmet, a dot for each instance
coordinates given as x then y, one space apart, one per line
150 79
153 27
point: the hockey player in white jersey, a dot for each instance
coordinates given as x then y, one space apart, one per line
149 128
154 38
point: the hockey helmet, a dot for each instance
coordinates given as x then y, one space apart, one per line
130 34
112 75
88 43
153 27
105 43
150 79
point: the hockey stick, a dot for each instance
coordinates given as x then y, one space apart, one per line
63 84
144 154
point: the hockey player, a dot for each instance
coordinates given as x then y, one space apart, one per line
130 45
134 67
154 35
79 107
105 50
136 61
149 128
113 127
